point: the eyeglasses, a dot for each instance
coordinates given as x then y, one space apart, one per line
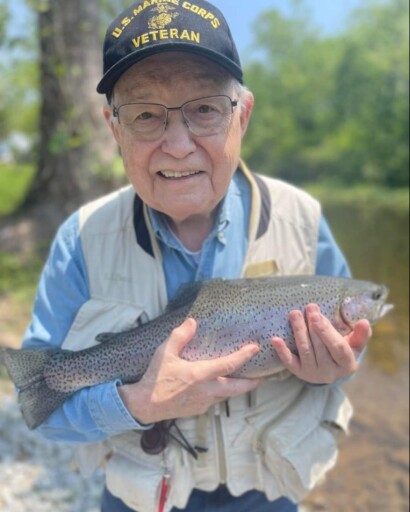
207 116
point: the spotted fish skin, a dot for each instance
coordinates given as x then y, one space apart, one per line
229 314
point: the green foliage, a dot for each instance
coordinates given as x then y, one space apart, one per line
19 275
3 20
19 93
332 107
19 69
19 77
4 14
14 181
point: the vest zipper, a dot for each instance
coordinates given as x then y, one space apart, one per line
223 471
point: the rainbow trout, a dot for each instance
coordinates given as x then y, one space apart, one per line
229 314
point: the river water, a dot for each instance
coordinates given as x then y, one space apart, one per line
372 474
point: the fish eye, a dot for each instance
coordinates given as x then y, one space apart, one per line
377 295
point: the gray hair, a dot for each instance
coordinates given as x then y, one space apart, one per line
242 92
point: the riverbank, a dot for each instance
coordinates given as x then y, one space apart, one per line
372 473
36 475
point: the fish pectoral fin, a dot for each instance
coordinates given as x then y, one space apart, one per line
142 319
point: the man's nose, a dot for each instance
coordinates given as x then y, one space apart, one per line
177 140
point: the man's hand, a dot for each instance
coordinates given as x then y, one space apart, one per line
175 388
325 356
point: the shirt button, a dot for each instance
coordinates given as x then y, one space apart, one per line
221 236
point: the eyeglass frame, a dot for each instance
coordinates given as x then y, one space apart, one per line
116 110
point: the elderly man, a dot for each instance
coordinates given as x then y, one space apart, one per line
178 110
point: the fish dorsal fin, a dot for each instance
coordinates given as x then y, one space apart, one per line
142 319
185 296
104 337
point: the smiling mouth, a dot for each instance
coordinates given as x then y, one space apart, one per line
173 175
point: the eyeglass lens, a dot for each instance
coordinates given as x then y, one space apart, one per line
204 117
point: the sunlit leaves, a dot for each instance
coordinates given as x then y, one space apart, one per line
332 107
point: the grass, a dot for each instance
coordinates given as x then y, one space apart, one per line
17 275
14 181
18 282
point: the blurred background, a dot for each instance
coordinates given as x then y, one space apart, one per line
331 81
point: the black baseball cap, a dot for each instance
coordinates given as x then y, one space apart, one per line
149 27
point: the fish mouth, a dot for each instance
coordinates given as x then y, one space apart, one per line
379 313
178 175
385 309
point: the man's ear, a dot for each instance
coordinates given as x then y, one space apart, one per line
248 102
112 123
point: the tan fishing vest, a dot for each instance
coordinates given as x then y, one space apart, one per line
279 442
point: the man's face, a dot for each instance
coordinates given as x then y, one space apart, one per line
179 174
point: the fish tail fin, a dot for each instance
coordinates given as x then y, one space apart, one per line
25 366
26 370
38 402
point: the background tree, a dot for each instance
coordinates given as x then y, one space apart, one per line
19 81
332 107
371 101
75 145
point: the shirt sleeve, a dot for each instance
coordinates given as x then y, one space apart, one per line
330 259
95 413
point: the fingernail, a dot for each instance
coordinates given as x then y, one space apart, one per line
276 340
253 349
295 315
315 318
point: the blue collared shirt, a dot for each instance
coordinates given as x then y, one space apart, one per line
95 413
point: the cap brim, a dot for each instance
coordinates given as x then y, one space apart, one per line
108 81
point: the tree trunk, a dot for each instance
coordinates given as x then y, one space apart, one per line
75 144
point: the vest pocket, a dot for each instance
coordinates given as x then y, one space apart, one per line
136 477
299 448
136 482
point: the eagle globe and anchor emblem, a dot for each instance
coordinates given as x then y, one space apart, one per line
164 17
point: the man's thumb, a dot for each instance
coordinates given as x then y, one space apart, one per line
181 336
